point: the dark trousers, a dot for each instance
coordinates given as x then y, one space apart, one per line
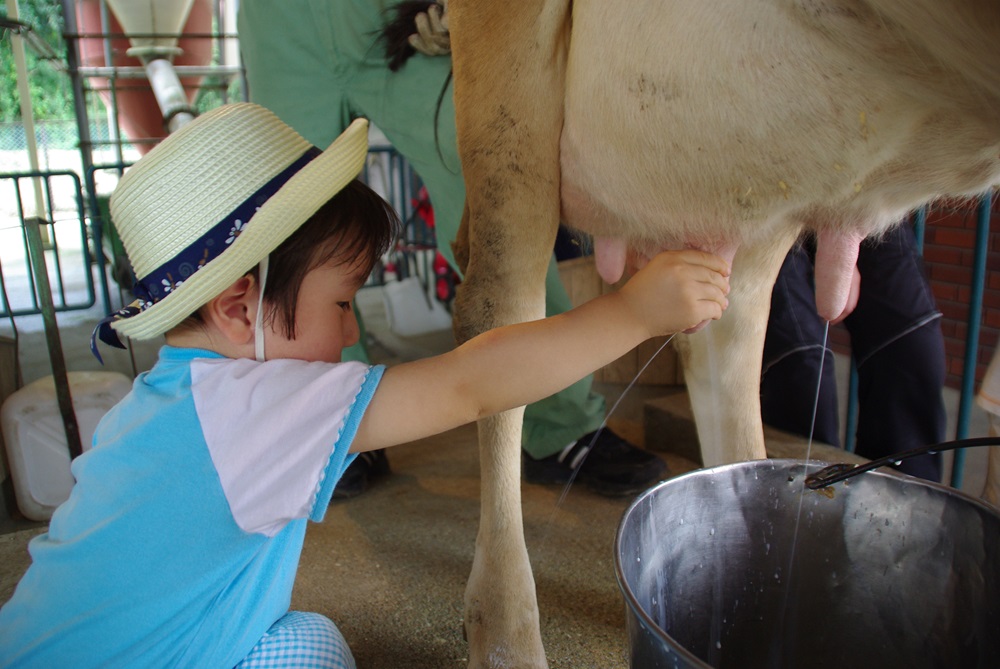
896 343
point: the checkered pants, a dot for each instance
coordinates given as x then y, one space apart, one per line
300 641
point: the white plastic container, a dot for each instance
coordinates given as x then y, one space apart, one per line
35 438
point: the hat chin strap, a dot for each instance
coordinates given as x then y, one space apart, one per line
258 326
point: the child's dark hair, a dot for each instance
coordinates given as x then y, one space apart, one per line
356 226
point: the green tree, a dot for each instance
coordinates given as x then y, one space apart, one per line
51 92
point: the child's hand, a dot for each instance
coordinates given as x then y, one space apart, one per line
678 291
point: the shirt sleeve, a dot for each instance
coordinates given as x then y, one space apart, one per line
279 432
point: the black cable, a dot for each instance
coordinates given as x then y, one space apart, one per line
843 471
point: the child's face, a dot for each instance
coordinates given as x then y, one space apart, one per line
324 321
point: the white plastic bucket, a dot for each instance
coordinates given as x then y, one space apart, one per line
35 438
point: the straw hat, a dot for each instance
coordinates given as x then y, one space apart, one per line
212 200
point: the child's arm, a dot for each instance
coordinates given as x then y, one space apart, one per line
518 364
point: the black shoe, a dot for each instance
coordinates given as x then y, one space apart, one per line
608 465
367 466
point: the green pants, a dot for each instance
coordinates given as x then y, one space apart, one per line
317 65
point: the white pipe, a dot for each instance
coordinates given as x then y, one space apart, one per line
27 114
169 93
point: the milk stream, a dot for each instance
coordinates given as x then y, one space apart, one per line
572 478
777 653
715 643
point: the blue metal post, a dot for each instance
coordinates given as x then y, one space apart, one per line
919 226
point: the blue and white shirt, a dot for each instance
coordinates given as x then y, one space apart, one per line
179 544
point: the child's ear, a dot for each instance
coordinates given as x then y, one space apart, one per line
233 311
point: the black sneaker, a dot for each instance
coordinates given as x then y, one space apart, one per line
367 466
608 465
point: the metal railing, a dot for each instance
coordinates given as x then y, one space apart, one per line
53 200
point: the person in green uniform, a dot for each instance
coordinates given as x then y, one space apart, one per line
319 64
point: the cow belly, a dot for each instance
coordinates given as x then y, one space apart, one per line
662 148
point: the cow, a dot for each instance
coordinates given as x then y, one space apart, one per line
728 126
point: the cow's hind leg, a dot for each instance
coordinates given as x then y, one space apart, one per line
722 363
508 68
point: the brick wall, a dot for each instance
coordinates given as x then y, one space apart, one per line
949 248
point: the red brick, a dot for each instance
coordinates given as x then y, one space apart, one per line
949 255
949 237
991 298
989 337
945 291
963 294
953 310
992 319
984 353
961 329
951 274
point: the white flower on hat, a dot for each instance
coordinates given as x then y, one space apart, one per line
169 284
235 231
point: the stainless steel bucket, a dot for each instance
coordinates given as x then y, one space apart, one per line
735 567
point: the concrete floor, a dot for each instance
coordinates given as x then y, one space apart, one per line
390 566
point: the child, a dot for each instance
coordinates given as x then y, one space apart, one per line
179 543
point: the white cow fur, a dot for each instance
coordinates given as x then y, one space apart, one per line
723 125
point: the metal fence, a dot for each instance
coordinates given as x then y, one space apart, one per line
59 196
62 226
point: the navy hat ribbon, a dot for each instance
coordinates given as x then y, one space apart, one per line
166 278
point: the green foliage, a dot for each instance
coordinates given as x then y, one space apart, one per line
51 92
215 91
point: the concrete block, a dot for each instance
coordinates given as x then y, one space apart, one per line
669 427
